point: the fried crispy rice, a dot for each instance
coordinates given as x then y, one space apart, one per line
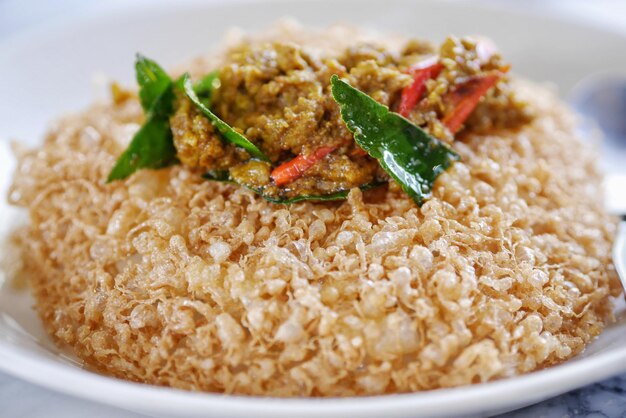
169 279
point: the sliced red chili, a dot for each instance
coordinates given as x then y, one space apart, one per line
295 168
462 100
421 72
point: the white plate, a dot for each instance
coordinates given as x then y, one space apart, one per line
49 71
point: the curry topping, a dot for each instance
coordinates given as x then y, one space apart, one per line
292 125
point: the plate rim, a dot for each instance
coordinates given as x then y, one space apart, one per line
533 387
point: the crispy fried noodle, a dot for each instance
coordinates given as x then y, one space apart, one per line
169 279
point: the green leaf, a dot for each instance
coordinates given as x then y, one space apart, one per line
340 195
406 152
226 130
153 145
153 82
224 177
204 88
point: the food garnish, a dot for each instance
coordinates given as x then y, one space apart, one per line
228 133
413 93
206 86
406 152
152 145
464 98
293 169
225 177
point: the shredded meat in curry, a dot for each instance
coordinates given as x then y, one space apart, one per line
278 96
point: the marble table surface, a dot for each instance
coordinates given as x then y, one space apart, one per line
19 399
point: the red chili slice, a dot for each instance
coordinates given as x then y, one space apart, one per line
421 72
464 98
294 169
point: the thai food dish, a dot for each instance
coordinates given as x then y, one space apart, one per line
319 213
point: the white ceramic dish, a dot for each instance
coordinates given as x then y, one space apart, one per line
49 71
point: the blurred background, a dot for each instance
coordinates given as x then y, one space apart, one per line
16 15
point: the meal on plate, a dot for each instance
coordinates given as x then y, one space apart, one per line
319 213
